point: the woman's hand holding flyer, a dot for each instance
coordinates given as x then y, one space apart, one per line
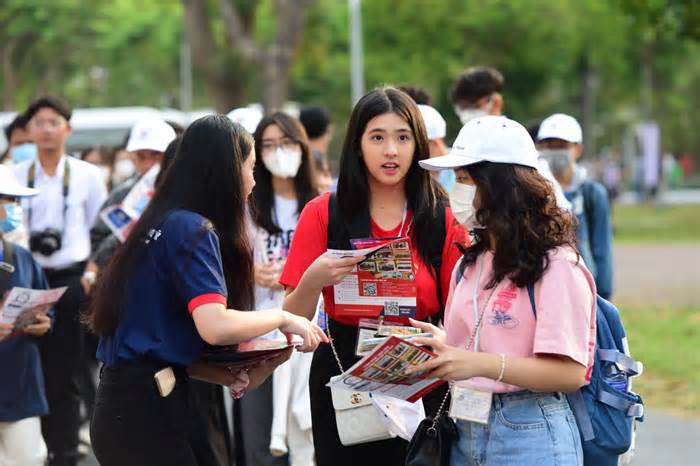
451 363
438 333
331 268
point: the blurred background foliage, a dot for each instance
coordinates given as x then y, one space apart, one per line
628 60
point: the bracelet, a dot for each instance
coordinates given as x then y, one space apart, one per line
503 368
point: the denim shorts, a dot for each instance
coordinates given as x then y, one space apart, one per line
524 428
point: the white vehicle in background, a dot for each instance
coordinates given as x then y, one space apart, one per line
106 126
110 126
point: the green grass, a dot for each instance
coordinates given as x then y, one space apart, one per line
667 341
657 224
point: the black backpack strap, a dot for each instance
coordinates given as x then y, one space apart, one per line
7 268
339 231
531 295
436 260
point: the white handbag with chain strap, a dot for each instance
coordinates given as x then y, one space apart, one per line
357 418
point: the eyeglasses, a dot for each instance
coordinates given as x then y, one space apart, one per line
53 123
286 143
4 198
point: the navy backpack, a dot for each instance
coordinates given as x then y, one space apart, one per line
605 409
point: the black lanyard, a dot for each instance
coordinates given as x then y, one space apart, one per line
31 179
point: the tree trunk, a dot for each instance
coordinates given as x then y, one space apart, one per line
212 62
275 82
278 57
9 78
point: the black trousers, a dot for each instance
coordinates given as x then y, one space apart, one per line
133 425
329 450
64 362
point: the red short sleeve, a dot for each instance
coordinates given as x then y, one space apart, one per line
309 241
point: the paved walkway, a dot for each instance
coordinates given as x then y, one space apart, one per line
657 274
665 440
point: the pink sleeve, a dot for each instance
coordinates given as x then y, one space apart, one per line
564 300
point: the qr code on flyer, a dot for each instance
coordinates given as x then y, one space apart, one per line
391 308
369 289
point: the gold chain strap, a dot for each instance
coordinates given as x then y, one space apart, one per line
330 338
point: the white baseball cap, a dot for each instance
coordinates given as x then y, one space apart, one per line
152 134
435 124
494 139
9 186
247 117
560 126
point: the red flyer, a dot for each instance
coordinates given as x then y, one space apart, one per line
383 284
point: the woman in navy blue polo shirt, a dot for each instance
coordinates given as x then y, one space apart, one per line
22 395
172 287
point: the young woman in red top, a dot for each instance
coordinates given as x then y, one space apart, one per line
382 189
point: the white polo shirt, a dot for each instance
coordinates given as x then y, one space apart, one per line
86 193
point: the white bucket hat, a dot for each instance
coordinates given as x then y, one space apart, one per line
494 139
9 186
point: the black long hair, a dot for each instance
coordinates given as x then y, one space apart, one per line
516 206
168 157
423 195
263 195
204 177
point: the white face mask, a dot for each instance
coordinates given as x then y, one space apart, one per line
123 169
468 114
462 205
559 160
283 163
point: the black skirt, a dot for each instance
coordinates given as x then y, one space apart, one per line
329 450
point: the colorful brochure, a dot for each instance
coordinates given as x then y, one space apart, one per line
122 218
249 353
383 372
22 305
383 284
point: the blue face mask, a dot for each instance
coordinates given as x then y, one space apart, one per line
23 152
13 217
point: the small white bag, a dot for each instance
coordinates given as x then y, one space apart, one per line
357 418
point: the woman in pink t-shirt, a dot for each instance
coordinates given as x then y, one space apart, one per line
510 362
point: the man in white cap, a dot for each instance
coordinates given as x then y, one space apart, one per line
436 127
559 140
147 143
22 393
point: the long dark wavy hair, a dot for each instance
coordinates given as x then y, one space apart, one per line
516 205
423 195
263 198
204 177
